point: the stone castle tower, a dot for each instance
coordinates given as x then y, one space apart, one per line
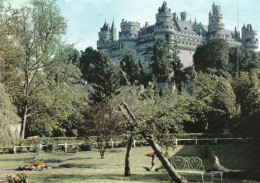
249 37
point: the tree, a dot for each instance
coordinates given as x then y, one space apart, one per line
107 79
246 88
219 98
40 29
212 57
74 56
161 64
130 64
154 118
176 65
102 122
248 60
61 102
8 116
37 34
87 61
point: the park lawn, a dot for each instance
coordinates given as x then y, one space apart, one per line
87 167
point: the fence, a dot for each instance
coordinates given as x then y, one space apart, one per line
135 142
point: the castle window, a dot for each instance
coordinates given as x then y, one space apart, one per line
179 42
162 26
182 42
171 27
185 28
218 20
190 52
167 27
211 20
190 43
134 28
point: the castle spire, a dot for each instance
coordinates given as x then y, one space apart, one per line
164 7
112 26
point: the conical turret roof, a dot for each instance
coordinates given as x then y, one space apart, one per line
164 7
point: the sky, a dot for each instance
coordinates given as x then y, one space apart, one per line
86 17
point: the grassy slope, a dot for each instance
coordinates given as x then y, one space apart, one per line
88 167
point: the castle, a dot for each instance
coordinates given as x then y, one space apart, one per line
187 34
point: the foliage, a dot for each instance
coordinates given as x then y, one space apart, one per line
107 79
158 116
247 90
87 64
7 117
248 60
217 94
161 64
44 70
130 64
37 32
176 65
102 122
21 177
212 57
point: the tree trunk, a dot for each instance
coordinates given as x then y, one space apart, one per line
127 155
24 120
166 164
153 163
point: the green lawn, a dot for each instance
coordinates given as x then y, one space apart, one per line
87 166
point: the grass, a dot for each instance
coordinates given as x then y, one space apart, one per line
87 167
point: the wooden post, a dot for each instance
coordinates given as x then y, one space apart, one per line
40 147
196 141
216 140
14 149
176 141
112 144
65 146
134 143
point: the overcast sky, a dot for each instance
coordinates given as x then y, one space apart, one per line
85 17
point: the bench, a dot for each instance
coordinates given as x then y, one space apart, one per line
188 165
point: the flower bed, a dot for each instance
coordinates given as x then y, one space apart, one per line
36 166
21 177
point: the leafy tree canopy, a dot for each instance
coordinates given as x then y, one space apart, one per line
212 57
87 61
130 65
107 79
220 99
7 117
